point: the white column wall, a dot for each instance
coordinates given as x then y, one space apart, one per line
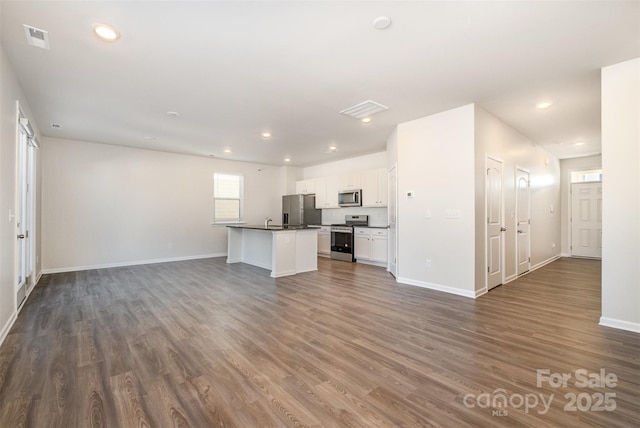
436 164
621 195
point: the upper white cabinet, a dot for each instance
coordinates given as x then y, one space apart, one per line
326 192
374 188
305 187
352 181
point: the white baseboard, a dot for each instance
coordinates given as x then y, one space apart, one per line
619 324
437 287
510 278
7 326
544 262
565 255
134 263
482 291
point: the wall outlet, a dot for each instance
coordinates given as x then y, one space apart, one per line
427 214
428 264
171 246
553 245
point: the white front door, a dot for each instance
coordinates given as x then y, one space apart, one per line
393 217
523 223
495 226
586 220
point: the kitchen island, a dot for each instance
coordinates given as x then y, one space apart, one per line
284 250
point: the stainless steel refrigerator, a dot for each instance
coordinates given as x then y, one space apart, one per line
300 210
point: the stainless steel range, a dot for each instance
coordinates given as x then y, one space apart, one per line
342 239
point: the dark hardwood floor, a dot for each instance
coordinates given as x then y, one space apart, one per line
205 344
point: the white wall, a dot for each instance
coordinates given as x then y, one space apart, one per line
10 92
107 205
435 158
358 163
566 167
621 195
497 139
288 177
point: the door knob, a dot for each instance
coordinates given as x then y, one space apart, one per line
21 236
519 231
503 229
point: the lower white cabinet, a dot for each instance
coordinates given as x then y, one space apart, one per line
371 245
324 241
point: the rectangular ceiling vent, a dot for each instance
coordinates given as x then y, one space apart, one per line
364 109
36 37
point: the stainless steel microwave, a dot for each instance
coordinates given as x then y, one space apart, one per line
350 198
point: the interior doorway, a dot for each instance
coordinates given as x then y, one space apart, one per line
25 208
393 217
494 202
523 221
586 220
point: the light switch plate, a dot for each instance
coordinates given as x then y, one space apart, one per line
453 213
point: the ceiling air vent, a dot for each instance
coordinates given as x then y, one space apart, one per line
364 109
36 37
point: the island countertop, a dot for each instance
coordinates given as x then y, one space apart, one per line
284 250
272 227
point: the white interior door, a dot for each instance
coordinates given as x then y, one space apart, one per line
586 220
25 208
22 232
523 222
495 223
393 217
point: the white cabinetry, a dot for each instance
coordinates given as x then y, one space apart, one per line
326 192
379 246
305 187
352 181
362 244
324 241
371 245
374 188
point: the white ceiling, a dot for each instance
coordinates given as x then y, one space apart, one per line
235 69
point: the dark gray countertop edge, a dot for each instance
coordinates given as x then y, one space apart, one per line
271 228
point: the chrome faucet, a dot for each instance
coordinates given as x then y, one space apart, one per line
266 222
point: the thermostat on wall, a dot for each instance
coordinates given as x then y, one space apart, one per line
410 193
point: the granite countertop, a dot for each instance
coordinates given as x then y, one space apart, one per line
272 227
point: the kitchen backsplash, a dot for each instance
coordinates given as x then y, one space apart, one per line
377 216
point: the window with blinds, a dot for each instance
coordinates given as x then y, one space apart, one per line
227 198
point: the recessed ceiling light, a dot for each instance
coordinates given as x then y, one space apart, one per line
366 120
227 150
579 143
287 159
266 135
543 105
381 23
173 114
106 32
333 148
